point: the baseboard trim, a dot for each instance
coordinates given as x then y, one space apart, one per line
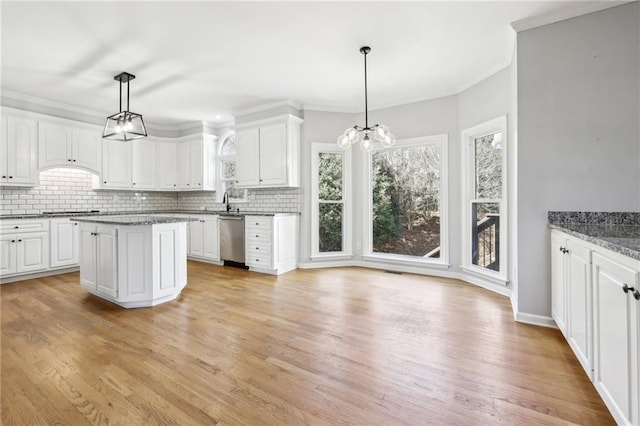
31 276
533 319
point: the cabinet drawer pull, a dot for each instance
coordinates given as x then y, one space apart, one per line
627 289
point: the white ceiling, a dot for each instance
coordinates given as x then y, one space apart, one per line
202 60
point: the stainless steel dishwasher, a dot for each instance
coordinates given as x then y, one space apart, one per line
232 238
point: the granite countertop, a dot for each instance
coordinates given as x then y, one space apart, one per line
618 232
137 219
152 212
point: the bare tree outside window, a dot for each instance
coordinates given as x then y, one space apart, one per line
406 201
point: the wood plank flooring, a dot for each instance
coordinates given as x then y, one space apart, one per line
331 346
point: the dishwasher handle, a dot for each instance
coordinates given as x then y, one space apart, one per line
231 217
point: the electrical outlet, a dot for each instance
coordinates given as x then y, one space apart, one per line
358 245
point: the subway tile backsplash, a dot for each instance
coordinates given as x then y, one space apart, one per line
71 189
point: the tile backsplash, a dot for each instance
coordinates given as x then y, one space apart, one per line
71 189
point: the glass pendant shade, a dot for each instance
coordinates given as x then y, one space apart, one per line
380 132
124 125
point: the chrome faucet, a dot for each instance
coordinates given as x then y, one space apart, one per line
225 199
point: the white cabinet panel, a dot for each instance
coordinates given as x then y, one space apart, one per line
116 164
578 292
267 153
273 154
167 173
8 249
18 152
248 157
106 261
615 325
167 267
211 243
184 165
32 252
54 145
88 261
143 158
196 238
271 243
69 145
65 243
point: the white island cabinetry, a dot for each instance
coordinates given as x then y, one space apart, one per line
141 261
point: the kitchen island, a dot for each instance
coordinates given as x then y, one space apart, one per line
133 260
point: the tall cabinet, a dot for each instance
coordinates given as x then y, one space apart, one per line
268 152
18 151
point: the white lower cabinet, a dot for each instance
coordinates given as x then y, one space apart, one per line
98 259
594 304
204 240
64 243
24 247
271 243
616 322
571 295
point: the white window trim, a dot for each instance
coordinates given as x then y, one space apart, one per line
220 183
367 203
316 149
497 125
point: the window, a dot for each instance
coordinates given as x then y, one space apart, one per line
406 201
484 236
331 215
227 179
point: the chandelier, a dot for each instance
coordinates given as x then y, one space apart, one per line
380 132
124 125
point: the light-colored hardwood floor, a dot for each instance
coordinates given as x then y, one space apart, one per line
331 346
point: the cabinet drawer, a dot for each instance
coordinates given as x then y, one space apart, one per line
11 226
257 237
258 248
258 222
259 260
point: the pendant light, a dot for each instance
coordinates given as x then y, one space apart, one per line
357 133
124 125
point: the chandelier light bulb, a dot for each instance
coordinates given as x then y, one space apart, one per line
352 134
388 141
343 142
366 144
128 126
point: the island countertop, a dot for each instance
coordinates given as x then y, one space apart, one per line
131 219
618 232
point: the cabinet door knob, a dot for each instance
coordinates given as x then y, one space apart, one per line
13 241
636 294
133 184
105 181
4 177
10 177
199 184
74 161
257 248
626 288
257 236
76 223
562 249
174 184
68 159
16 227
19 241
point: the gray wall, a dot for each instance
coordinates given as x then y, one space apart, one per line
578 146
488 99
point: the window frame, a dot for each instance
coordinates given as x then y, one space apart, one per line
443 261
347 205
468 137
221 181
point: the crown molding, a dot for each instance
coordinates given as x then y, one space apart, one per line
564 14
267 107
10 94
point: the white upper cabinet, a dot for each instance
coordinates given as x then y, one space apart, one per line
268 152
197 163
143 163
68 145
18 151
116 164
167 170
